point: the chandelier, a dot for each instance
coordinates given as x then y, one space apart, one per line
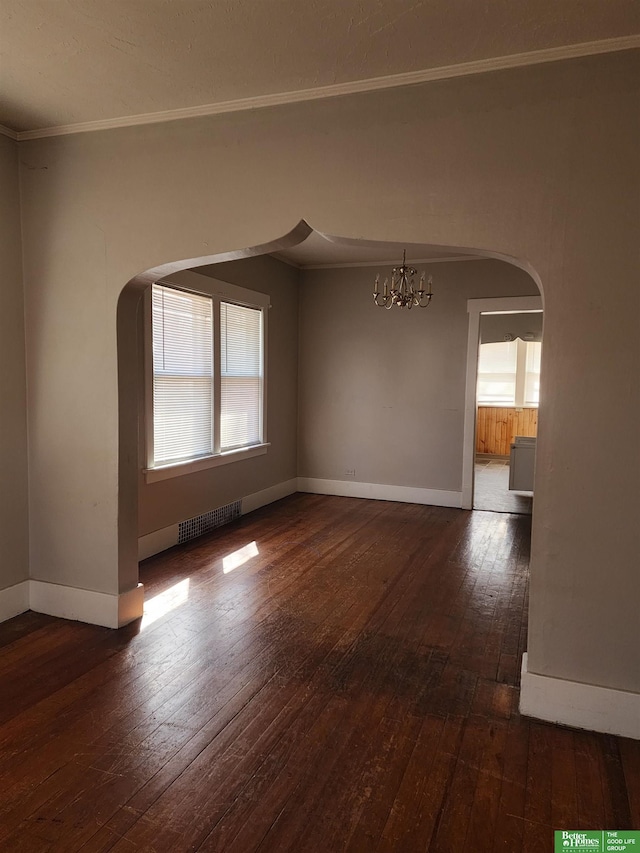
403 291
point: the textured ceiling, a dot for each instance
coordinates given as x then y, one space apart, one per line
69 61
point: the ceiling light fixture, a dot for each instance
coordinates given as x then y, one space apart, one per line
403 292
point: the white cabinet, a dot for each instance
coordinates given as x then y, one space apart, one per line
521 464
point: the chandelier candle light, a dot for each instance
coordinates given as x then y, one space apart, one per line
403 292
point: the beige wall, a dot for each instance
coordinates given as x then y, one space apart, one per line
383 392
180 498
14 533
538 163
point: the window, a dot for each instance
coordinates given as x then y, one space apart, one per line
207 385
497 373
241 376
182 375
509 373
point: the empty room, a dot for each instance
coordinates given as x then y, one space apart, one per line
263 266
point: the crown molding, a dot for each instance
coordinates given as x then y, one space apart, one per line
6 131
372 84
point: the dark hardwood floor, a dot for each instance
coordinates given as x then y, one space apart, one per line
351 686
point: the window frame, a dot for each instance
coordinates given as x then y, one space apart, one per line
218 291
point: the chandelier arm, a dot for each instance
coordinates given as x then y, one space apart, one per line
386 302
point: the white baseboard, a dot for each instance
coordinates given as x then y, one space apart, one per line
269 495
583 706
130 605
380 492
85 605
14 600
159 540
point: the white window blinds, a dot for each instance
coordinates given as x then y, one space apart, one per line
182 375
532 375
241 375
497 373
509 373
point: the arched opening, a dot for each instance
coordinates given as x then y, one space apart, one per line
379 407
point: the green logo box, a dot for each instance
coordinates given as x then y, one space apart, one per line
598 841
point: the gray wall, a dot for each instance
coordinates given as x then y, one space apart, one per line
494 327
539 164
180 498
14 532
383 392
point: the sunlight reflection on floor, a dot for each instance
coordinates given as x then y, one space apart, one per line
239 557
165 602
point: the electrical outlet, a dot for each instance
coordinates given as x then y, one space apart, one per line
350 472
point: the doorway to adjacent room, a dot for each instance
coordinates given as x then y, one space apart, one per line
503 387
507 398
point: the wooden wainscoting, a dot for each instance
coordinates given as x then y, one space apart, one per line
497 426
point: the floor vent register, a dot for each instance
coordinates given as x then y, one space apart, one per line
194 527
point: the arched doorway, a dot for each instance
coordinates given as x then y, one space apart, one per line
374 446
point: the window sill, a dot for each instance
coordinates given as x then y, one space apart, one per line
507 406
166 472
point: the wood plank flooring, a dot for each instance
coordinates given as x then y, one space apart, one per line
351 686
